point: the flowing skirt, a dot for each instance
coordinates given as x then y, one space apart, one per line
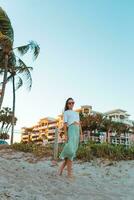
70 148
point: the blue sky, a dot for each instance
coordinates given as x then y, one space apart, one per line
87 52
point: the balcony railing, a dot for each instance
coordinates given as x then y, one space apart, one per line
125 121
52 125
25 139
25 136
42 127
51 131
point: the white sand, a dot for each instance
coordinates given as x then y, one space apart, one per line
22 179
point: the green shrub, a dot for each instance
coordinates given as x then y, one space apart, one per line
37 150
106 151
86 152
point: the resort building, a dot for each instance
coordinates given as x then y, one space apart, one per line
44 130
25 134
120 116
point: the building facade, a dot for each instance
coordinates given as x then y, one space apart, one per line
44 130
120 116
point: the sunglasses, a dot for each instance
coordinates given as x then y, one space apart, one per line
71 103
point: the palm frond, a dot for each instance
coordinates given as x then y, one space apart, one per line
9 77
12 61
5 25
23 49
18 82
21 66
25 72
32 46
22 75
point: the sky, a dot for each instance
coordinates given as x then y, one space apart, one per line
87 52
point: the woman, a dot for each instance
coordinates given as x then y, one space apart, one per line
72 130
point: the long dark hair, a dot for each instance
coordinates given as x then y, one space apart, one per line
66 104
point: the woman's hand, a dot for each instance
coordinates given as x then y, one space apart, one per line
81 137
81 134
66 138
65 132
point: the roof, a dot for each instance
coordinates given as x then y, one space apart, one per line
48 119
115 111
86 106
96 112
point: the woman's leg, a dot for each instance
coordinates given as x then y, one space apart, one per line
69 168
63 165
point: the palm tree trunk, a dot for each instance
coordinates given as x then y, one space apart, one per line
107 136
8 128
4 81
3 123
13 110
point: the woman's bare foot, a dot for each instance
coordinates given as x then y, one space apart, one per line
60 172
62 167
71 178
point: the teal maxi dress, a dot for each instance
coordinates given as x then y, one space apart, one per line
70 148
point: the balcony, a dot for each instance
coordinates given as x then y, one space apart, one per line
25 140
36 129
43 133
51 131
124 121
25 136
52 125
42 127
35 138
50 137
35 134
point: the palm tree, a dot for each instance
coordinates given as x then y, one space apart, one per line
6 43
121 128
6 122
91 122
11 63
21 71
107 126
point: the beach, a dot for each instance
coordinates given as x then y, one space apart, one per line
24 177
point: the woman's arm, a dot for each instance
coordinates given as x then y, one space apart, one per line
65 132
81 134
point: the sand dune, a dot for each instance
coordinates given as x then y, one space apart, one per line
23 178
